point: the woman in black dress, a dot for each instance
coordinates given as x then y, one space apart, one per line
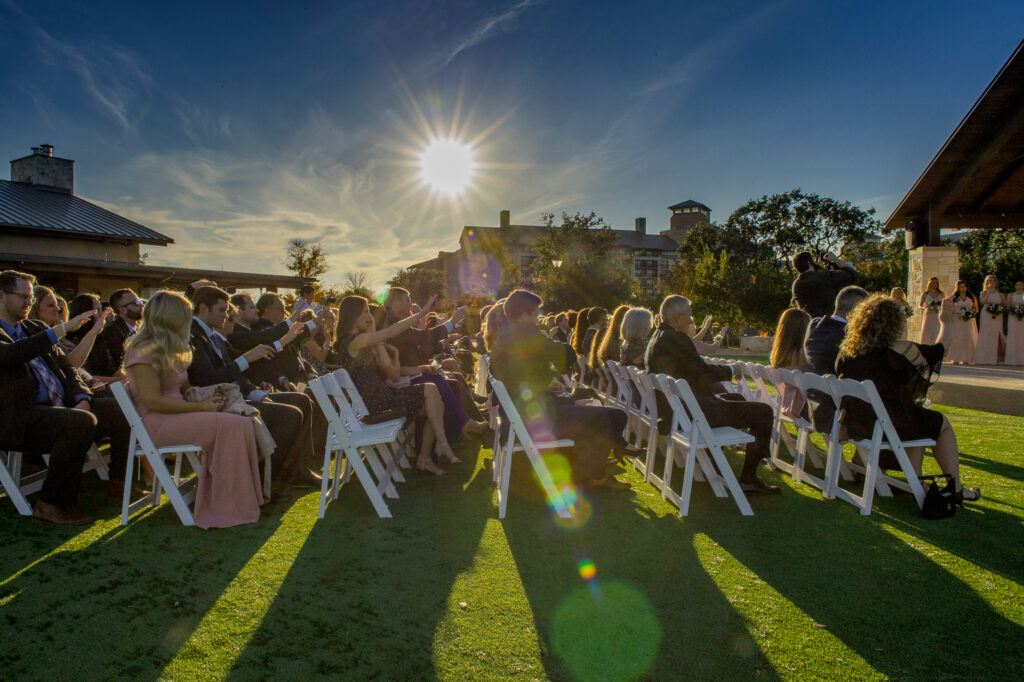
902 371
362 351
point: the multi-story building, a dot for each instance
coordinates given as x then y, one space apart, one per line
652 254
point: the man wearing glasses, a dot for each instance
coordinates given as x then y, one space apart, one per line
108 351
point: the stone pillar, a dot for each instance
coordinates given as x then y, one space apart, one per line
924 263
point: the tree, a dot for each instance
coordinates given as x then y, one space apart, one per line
881 264
794 221
305 259
421 283
355 285
591 271
729 276
992 252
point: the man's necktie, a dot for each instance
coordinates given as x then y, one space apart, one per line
43 374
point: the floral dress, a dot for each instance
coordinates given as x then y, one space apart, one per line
378 396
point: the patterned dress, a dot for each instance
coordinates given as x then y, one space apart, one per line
378 396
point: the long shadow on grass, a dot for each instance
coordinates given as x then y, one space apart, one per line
364 596
651 609
900 611
124 604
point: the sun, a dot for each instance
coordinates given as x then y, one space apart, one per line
447 166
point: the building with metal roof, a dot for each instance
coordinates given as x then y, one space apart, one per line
75 246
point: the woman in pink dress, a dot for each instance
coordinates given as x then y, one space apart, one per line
931 301
990 337
1015 326
963 333
788 353
229 491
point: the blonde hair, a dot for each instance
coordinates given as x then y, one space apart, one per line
877 322
788 346
165 331
898 294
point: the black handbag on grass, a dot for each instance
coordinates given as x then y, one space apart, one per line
939 502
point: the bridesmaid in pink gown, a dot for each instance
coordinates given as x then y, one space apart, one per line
1015 327
990 337
929 304
229 491
962 334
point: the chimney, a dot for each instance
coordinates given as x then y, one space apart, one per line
641 225
43 169
504 218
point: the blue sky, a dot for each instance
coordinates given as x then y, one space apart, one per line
232 128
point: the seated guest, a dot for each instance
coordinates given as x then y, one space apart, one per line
821 347
286 368
788 353
697 336
44 407
288 415
816 287
493 324
229 491
597 319
45 309
527 361
108 351
671 351
306 300
244 337
478 340
560 332
902 371
320 343
636 329
606 344
579 332
362 352
77 345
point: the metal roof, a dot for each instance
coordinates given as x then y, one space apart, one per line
977 179
26 208
688 204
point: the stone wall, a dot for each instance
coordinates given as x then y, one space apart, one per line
924 263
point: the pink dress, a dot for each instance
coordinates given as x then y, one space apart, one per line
991 333
963 334
1014 334
930 326
230 491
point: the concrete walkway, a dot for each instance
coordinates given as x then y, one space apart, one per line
992 388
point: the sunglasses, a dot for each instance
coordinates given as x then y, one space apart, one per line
128 303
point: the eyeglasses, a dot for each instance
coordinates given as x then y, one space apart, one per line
28 297
128 303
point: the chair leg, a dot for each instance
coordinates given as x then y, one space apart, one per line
328 479
369 485
10 484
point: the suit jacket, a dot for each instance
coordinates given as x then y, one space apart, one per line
107 352
245 338
287 363
20 386
821 344
208 368
417 346
558 334
523 357
588 341
815 290
672 352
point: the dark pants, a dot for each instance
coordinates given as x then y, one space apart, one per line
288 416
596 431
110 423
454 414
67 435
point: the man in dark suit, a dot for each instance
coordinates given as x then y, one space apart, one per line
415 346
44 406
245 337
287 367
561 331
287 415
526 361
108 351
821 348
671 351
816 287
597 318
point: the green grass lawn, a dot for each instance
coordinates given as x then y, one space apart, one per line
807 588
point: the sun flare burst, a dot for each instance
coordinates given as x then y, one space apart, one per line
447 166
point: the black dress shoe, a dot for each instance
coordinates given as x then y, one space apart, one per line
757 487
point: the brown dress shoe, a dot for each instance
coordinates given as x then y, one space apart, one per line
44 512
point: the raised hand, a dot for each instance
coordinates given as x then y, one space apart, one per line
77 321
259 353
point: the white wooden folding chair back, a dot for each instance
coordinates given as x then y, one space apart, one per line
883 437
691 431
482 368
18 487
348 442
179 492
800 447
397 449
747 377
620 394
644 383
763 383
519 440
835 465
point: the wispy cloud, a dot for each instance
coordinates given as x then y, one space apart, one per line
488 27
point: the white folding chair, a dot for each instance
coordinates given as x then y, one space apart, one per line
395 450
883 437
349 441
620 394
519 440
644 383
800 447
179 492
691 431
18 487
748 376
